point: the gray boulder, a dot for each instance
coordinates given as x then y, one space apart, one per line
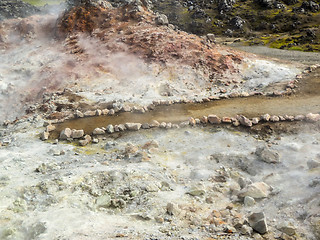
258 222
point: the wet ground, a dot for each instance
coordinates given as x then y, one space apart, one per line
306 100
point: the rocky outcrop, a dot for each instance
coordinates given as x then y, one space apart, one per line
15 9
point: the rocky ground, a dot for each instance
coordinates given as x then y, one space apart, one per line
279 24
121 126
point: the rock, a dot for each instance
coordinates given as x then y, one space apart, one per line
95 140
256 190
85 141
245 121
246 230
211 37
196 191
98 112
162 125
145 126
105 111
50 128
169 125
287 228
289 118
103 201
213 119
44 136
312 117
204 120
299 118
110 128
154 123
130 149
90 113
162 19
77 133
313 164
98 131
274 118
172 209
133 126
310 6
258 222
265 117
150 144
236 123
192 121
226 120
255 120
267 155
121 127
65 134
111 112
249 201
126 108
237 23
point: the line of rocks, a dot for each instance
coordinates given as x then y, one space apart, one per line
239 120
63 115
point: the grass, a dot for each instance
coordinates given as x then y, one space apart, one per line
43 2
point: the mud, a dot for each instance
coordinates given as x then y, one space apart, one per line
306 100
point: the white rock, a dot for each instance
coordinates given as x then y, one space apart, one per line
98 131
133 126
65 134
44 136
256 190
245 121
77 133
110 128
310 117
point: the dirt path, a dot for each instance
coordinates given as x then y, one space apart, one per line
306 58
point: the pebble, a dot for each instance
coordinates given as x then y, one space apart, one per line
267 155
145 126
133 126
274 118
98 131
44 136
258 222
299 117
89 113
245 121
65 134
50 128
256 190
204 120
310 117
265 117
77 133
110 128
154 123
249 201
226 120
255 120
313 164
214 119
192 121
162 125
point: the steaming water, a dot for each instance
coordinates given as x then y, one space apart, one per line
52 206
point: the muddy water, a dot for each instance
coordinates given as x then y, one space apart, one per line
306 100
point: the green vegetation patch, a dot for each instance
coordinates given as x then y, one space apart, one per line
43 2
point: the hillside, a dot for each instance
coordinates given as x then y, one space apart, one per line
287 24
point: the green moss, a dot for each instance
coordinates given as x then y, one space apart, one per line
43 2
